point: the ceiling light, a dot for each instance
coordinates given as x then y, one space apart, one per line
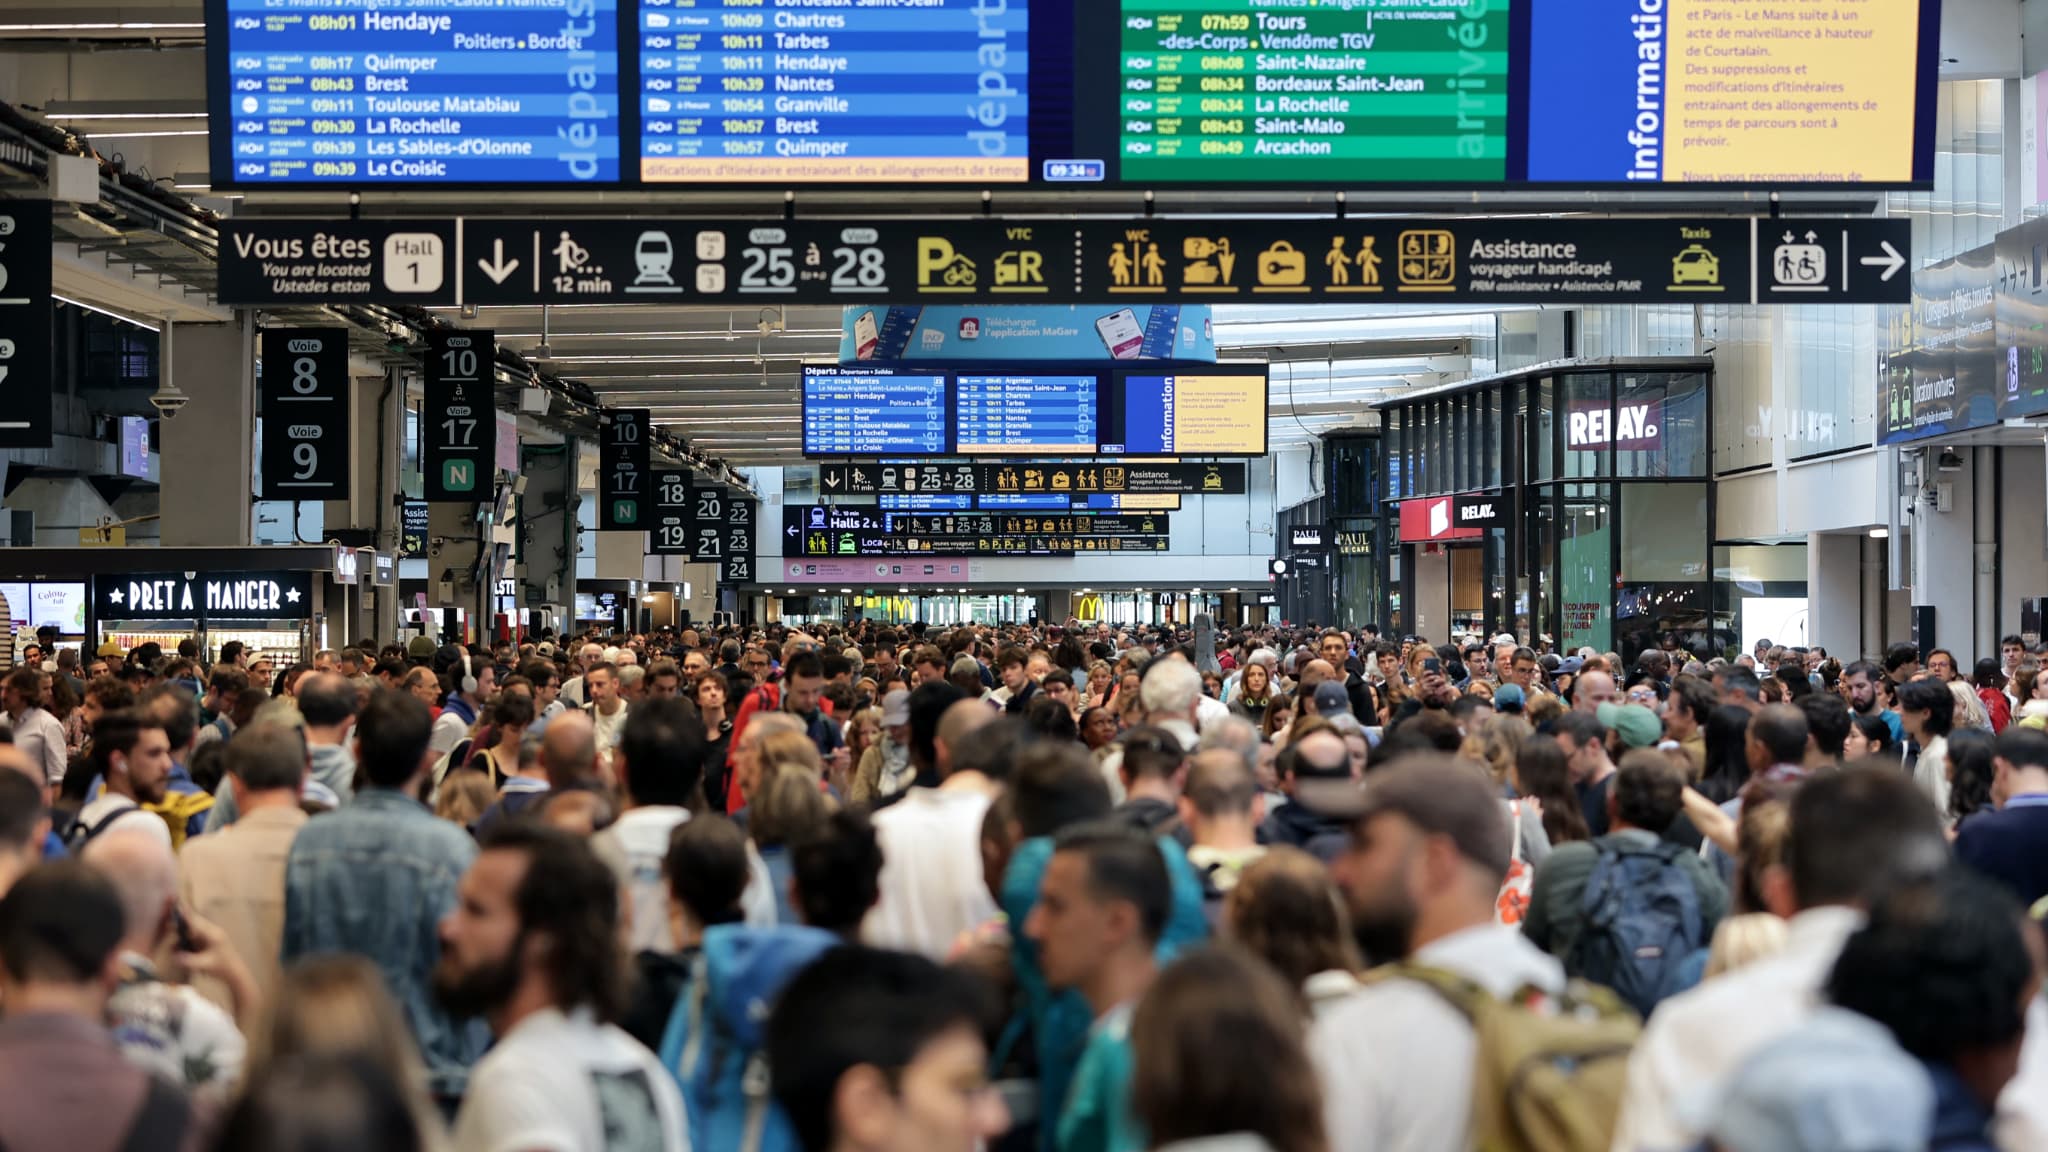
1880 533
106 312
108 26
141 135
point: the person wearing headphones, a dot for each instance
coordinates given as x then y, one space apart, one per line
468 684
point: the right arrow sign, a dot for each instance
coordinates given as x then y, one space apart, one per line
1805 261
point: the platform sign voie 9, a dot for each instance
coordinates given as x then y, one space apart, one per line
306 441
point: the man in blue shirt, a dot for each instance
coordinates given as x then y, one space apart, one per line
375 878
1861 678
2011 844
1102 908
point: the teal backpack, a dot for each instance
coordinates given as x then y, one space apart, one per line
713 1042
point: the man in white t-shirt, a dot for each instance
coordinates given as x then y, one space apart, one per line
532 949
607 709
931 885
132 757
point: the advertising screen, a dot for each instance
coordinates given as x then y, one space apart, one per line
60 606
873 412
1212 413
135 447
989 94
340 92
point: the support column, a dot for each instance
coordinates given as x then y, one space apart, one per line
1943 555
209 447
453 534
547 524
370 513
1834 591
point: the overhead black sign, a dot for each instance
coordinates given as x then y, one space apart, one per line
737 565
669 533
1306 536
305 414
623 469
204 597
25 324
969 261
413 520
458 420
1021 477
270 262
1480 510
854 532
709 508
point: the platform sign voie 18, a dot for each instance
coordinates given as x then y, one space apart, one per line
668 534
305 389
458 417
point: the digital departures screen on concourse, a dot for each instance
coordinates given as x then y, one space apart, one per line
365 92
994 94
827 92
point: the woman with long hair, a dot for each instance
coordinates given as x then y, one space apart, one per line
1497 744
1254 692
1287 910
1970 773
1543 774
511 714
1216 1000
1101 678
337 1007
1727 767
1280 712
785 805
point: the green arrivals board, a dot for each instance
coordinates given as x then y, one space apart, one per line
1332 91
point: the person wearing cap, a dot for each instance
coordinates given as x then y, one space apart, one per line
885 768
1329 699
1429 846
1646 798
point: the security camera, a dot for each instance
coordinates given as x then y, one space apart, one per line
168 400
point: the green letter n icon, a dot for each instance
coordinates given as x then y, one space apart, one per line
625 511
458 476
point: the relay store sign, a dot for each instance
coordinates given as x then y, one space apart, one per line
1430 521
1481 510
1629 427
185 596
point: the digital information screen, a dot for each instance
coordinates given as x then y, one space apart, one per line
824 92
855 412
991 94
346 92
1191 415
1024 415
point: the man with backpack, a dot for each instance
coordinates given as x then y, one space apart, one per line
132 757
1404 1059
1628 910
532 947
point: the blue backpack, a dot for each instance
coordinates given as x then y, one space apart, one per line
1641 923
713 1041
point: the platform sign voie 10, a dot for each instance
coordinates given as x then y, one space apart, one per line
457 416
305 389
624 469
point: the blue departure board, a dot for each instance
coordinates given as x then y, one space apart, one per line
925 502
824 91
349 92
1025 414
873 412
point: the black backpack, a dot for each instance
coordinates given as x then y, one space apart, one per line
1642 923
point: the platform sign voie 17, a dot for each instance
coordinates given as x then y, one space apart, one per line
305 389
458 417
624 469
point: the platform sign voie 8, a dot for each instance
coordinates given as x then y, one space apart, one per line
305 391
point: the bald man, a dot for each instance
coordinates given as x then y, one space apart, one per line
1591 691
164 1026
931 885
1313 673
568 751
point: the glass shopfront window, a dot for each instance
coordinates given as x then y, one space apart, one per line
1543 421
1585 567
1660 424
1589 424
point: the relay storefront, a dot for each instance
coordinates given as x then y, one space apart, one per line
1568 500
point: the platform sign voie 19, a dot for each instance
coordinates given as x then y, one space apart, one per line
668 534
340 93
458 417
305 390
624 470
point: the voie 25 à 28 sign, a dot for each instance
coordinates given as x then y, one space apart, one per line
209 596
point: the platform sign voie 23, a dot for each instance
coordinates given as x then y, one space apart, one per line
458 421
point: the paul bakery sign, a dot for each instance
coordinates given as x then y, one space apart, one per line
187 596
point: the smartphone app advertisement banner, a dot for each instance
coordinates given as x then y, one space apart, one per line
1030 332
